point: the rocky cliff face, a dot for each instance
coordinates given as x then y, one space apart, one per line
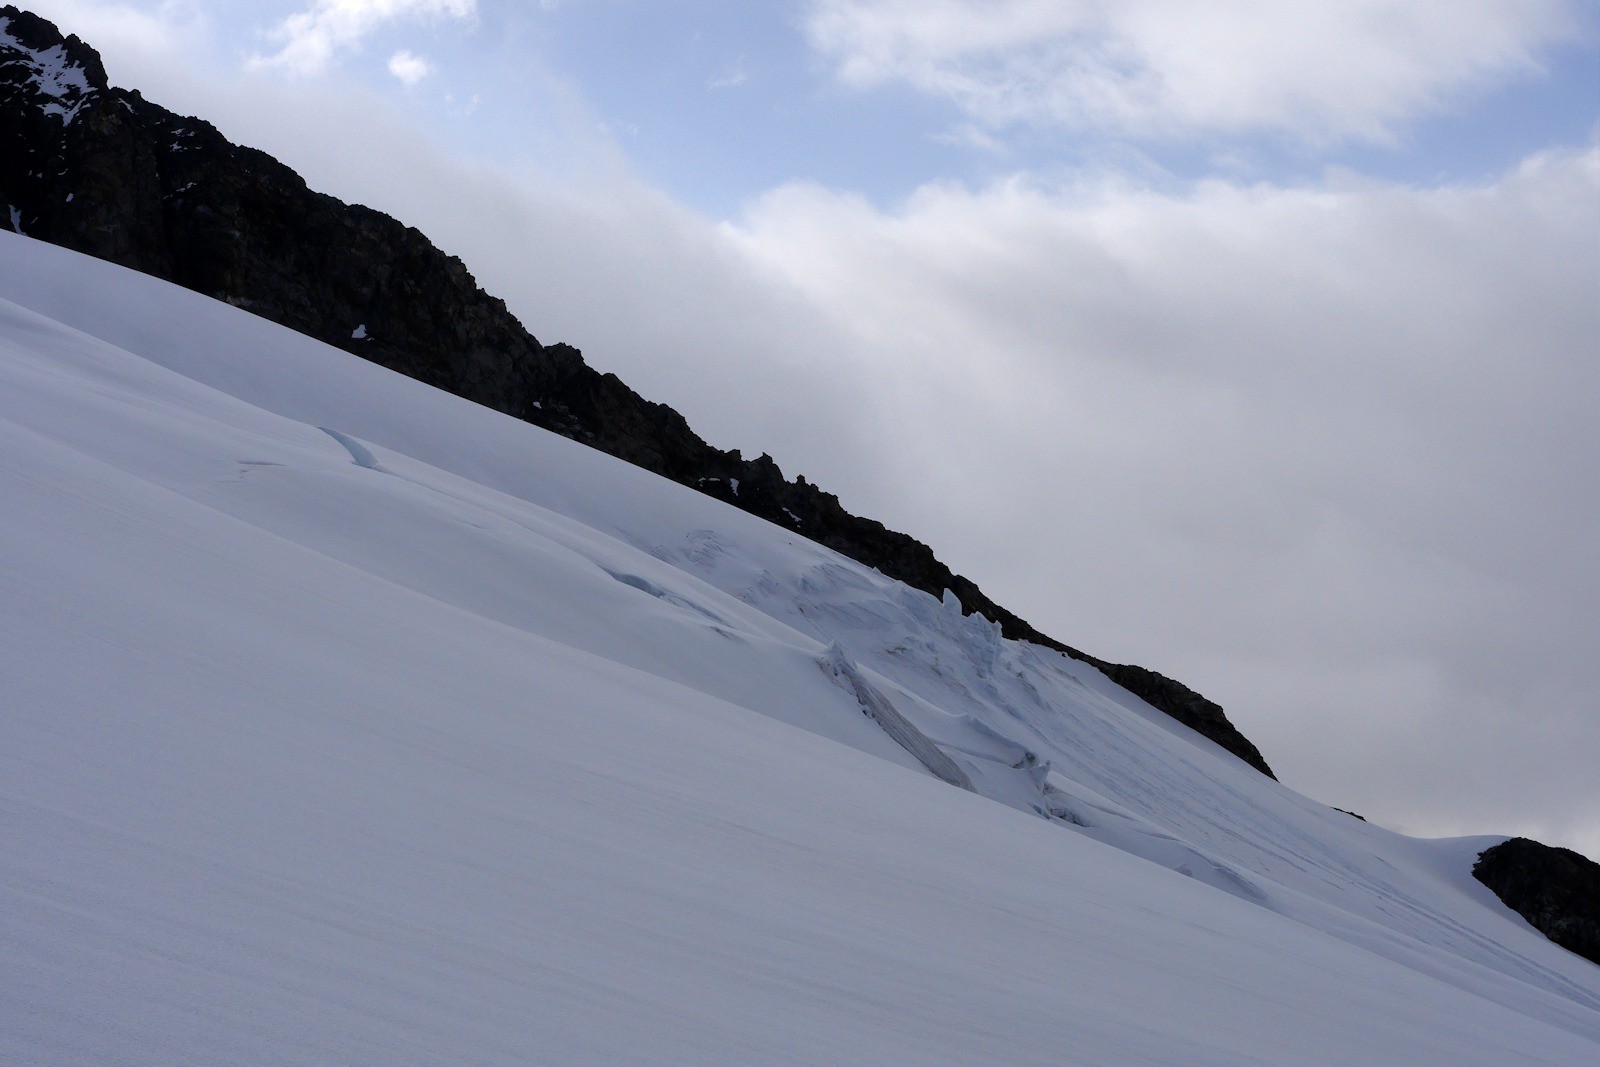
1555 889
103 171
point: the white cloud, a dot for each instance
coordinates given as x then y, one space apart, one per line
409 68
1316 69
311 38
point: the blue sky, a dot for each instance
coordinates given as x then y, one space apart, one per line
1253 342
716 102
719 101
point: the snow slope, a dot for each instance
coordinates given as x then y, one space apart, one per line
344 721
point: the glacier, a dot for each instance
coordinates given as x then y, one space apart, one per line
347 721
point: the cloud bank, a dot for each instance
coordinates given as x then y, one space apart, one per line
1325 453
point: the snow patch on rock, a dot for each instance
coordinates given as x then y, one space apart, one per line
62 84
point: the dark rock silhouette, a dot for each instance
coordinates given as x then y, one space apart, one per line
1555 889
103 171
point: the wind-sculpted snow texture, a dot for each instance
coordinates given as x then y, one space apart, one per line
347 721
135 184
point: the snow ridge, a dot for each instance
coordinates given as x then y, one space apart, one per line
881 711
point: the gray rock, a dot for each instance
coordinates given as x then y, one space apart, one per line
1556 889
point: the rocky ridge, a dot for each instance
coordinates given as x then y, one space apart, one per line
1555 889
105 172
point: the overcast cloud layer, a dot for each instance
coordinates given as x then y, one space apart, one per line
1324 450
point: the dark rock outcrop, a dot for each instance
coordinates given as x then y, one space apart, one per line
1555 889
103 171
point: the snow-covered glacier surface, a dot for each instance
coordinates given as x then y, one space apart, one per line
342 721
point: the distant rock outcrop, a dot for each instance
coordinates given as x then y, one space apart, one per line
1555 889
103 171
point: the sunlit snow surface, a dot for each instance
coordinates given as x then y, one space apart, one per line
345 722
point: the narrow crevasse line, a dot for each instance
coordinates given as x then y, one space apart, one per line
359 452
896 725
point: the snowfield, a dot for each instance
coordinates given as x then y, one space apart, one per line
347 722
